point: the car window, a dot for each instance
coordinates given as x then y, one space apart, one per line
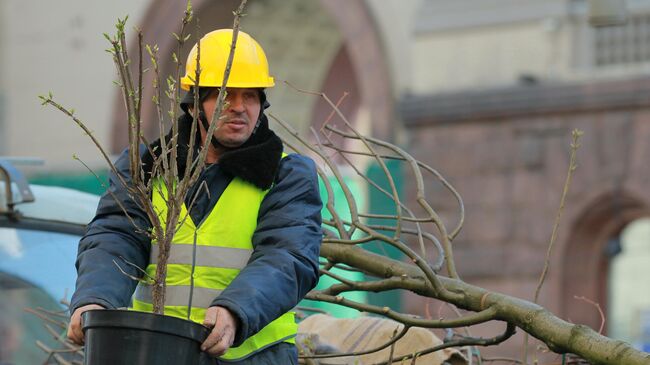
36 271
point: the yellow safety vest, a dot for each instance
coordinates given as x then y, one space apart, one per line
219 247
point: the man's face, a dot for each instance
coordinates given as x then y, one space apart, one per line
239 115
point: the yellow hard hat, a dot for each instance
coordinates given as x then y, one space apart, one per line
250 68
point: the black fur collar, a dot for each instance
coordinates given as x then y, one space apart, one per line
256 161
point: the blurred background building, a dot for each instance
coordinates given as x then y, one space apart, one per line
486 91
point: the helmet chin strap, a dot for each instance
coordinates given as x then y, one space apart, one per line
206 127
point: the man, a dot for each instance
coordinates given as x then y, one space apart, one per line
267 200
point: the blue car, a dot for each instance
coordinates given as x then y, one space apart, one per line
40 227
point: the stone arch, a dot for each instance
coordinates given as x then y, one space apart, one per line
355 37
340 85
585 264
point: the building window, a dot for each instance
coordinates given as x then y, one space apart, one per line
628 314
626 44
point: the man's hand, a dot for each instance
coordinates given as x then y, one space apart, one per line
75 333
224 327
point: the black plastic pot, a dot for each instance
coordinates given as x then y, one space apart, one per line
127 337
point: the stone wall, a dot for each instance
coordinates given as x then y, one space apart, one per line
507 153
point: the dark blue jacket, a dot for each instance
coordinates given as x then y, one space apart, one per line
281 270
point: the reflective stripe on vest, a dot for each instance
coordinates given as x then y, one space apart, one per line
219 248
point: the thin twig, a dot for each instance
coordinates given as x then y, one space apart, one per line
407 319
600 311
509 332
502 359
53 353
118 201
132 277
392 347
44 317
576 134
